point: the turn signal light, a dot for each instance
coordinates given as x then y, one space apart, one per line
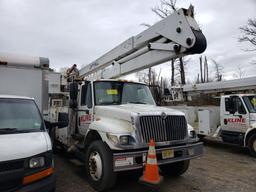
37 176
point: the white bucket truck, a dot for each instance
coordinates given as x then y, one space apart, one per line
233 119
112 121
234 122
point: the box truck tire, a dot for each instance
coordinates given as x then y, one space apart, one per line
99 166
175 169
252 145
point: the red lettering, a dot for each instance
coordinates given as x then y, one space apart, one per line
86 118
236 120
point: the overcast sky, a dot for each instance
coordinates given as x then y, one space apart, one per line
80 31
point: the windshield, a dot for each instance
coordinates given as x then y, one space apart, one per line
116 93
19 115
250 102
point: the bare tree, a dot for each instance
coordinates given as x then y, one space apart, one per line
149 76
249 33
173 72
240 73
182 72
218 70
206 71
201 69
181 65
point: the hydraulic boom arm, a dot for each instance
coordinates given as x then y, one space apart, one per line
174 36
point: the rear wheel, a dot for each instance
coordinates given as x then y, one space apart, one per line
99 166
175 169
252 145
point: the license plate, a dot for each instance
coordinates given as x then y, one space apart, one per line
191 151
123 161
166 154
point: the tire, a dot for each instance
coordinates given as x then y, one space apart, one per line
252 145
175 169
99 155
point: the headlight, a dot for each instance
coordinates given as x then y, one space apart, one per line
192 134
36 162
113 139
121 139
124 140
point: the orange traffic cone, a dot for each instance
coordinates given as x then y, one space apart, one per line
151 173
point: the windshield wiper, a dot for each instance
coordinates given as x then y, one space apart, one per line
136 102
15 130
8 130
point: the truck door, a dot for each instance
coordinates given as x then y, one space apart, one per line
85 112
236 118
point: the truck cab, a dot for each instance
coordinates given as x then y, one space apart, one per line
238 120
115 121
26 160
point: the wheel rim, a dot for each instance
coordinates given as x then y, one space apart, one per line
254 145
95 166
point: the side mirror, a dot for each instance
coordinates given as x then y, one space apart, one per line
62 120
59 124
73 92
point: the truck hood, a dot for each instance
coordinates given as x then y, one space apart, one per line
23 145
125 111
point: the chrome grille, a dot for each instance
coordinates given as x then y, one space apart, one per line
170 128
11 165
11 175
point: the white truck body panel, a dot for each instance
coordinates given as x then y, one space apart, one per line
209 120
27 82
17 60
192 116
54 80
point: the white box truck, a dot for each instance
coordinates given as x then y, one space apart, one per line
26 160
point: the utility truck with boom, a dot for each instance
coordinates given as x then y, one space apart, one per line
112 121
232 117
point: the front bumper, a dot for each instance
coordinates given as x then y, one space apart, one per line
47 184
136 159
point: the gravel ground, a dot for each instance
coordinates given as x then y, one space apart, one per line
222 168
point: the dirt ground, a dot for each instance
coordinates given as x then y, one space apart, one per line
222 168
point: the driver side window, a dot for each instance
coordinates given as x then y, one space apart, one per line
235 104
86 95
240 106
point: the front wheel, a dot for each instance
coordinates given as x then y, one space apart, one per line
175 169
99 166
252 145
